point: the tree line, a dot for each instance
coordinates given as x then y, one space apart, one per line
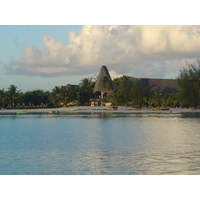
58 96
189 83
133 93
125 93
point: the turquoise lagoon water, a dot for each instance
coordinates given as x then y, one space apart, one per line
101 143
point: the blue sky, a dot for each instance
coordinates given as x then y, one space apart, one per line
13 40
45 56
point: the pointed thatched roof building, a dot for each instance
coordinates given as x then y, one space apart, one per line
100 85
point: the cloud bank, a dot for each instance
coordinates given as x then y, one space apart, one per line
140 51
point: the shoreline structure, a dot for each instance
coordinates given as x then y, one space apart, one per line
89 109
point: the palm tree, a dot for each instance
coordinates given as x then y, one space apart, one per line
138 92
156 99
35 97
46 100
116 83
13 94
3 97
68 95
87 84
123 91
164 100
146 100
85 91
114 99
55 95
174 99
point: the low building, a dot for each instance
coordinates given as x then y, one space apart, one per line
95 102
72 86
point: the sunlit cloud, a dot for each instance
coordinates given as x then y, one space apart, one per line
141 51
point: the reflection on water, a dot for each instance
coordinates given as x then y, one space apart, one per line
100 143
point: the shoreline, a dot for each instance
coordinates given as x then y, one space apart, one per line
99 109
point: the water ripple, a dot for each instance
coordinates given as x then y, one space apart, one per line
100 144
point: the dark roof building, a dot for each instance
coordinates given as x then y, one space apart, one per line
158 85
161 85
72 86
99 86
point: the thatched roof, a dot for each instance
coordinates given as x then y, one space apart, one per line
161 85
98 86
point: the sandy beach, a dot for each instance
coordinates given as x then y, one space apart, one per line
88 109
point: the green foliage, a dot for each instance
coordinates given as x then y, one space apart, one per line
87 84
13 94
173 100
61 95
189 82
146 100
68 95
85 91
106 83
157 99
105 100
3 97
138 93
126 91
114 99
55 96
35 98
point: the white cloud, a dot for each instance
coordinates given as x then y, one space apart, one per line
114 75
164 39
141 51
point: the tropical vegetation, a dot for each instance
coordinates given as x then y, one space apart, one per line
85 91
189 82
125 92
58 96
133 93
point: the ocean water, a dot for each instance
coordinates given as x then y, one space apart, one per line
100 144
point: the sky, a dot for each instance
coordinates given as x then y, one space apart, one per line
46 46
44 56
